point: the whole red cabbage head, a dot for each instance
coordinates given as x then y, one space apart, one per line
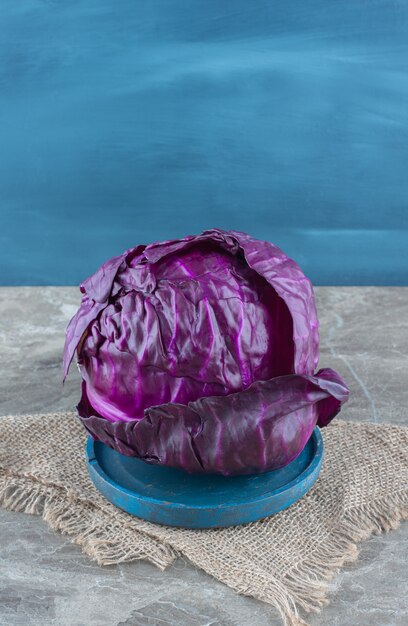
200 353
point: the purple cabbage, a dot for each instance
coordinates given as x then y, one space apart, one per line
199 353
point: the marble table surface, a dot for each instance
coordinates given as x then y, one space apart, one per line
44 580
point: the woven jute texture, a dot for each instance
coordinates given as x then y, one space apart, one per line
286 560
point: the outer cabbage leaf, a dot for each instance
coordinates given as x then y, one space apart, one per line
261 428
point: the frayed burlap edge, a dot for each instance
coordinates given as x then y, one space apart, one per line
86 525
306 586
303 587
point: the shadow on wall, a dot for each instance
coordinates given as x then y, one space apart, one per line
124 123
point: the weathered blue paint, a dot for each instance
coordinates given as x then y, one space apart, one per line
175 498
127 122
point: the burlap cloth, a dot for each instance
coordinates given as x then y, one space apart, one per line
286 560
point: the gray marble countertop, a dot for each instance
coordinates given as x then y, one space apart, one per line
44 580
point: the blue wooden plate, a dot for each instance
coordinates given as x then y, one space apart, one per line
170 496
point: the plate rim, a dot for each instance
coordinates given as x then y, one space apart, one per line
314 466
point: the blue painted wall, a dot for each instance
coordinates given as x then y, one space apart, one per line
129 121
